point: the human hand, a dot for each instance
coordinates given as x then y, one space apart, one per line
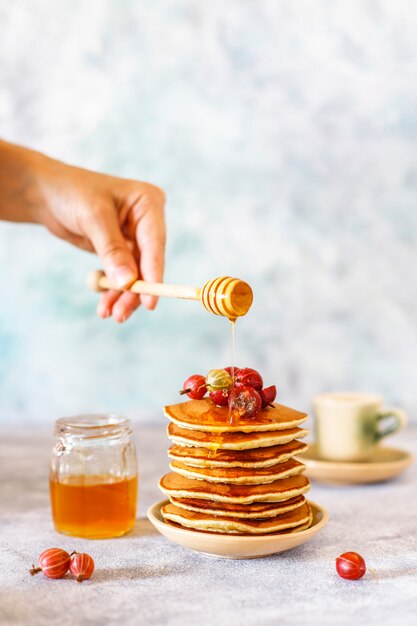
121 220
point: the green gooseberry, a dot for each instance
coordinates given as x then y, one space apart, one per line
218 380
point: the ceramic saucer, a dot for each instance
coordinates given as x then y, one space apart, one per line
386 463
236 546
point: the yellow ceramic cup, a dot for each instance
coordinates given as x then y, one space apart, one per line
348 424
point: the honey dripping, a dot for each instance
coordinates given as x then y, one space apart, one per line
94 507
232 417
214 445
216 439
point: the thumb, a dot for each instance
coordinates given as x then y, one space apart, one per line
104 232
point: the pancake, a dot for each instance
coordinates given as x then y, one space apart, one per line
204 416
232 441
259 457
240 475
176 486
296 529
246 511
230 525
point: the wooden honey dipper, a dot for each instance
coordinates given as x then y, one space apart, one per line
225 296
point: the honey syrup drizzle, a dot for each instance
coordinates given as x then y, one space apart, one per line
232 355
215 438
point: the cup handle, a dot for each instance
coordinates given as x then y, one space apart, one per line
400 420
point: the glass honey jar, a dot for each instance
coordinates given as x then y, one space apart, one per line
93 478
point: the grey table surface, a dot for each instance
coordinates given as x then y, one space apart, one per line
142 578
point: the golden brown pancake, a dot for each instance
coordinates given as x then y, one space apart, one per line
246 511
204 416
240 475
231 525
232 441
296 529
259 457
174 485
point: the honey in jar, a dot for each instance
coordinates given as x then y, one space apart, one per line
93 480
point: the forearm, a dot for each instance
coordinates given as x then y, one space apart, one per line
121 220
20 189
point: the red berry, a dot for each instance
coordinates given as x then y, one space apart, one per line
244 402
247 377
220 397
195 387
81 566
232 371
268 395
53 562
350 565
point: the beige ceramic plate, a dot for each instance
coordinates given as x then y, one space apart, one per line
236 546
385 464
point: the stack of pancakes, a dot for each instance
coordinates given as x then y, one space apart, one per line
236 477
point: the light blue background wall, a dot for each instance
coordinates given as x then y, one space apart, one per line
285 134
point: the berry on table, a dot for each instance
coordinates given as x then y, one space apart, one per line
53 562
81 566
350 565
